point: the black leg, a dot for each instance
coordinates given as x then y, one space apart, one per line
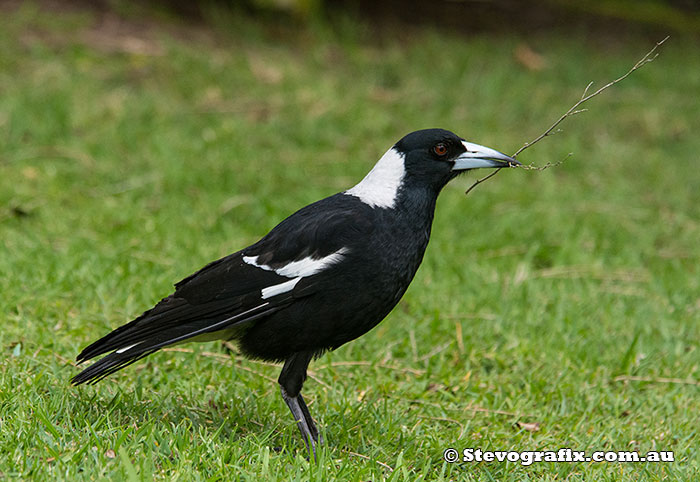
291 380
304 421
307 416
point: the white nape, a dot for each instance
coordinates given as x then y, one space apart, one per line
380 187
301 268
122 350
275 290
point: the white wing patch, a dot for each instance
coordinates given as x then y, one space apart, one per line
303 267
380 187
296 269
275 290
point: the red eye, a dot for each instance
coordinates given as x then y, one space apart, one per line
440 149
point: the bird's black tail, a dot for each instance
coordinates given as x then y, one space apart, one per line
171 321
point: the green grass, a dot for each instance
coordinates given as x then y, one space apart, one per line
130 158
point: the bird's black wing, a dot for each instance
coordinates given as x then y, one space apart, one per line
228 294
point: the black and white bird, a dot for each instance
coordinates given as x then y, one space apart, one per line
324 276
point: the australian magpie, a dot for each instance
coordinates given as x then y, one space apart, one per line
324 276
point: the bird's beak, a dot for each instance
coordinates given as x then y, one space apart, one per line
480 156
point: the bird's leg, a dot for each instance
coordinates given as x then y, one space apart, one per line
304 421
291 380
315 435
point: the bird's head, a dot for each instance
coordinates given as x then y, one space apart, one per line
425 160
435 156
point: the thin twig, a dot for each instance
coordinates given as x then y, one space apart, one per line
649 57
573 110
226 359
261 375
479 181
532 167
363 363
680 381
468 408
63 359
496 412
312 373
355 454
435 351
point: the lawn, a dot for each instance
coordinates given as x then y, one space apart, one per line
553 309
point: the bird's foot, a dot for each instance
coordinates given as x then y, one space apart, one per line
306 424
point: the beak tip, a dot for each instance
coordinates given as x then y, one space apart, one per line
477 156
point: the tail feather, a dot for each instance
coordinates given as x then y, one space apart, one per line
141 338
171 313
105 367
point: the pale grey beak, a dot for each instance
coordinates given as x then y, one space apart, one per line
481 156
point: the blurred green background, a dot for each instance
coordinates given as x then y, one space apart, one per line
553 309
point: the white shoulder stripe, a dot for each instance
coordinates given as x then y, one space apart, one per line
381 186
275 290
303 267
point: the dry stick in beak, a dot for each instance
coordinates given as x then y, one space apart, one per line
573 110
